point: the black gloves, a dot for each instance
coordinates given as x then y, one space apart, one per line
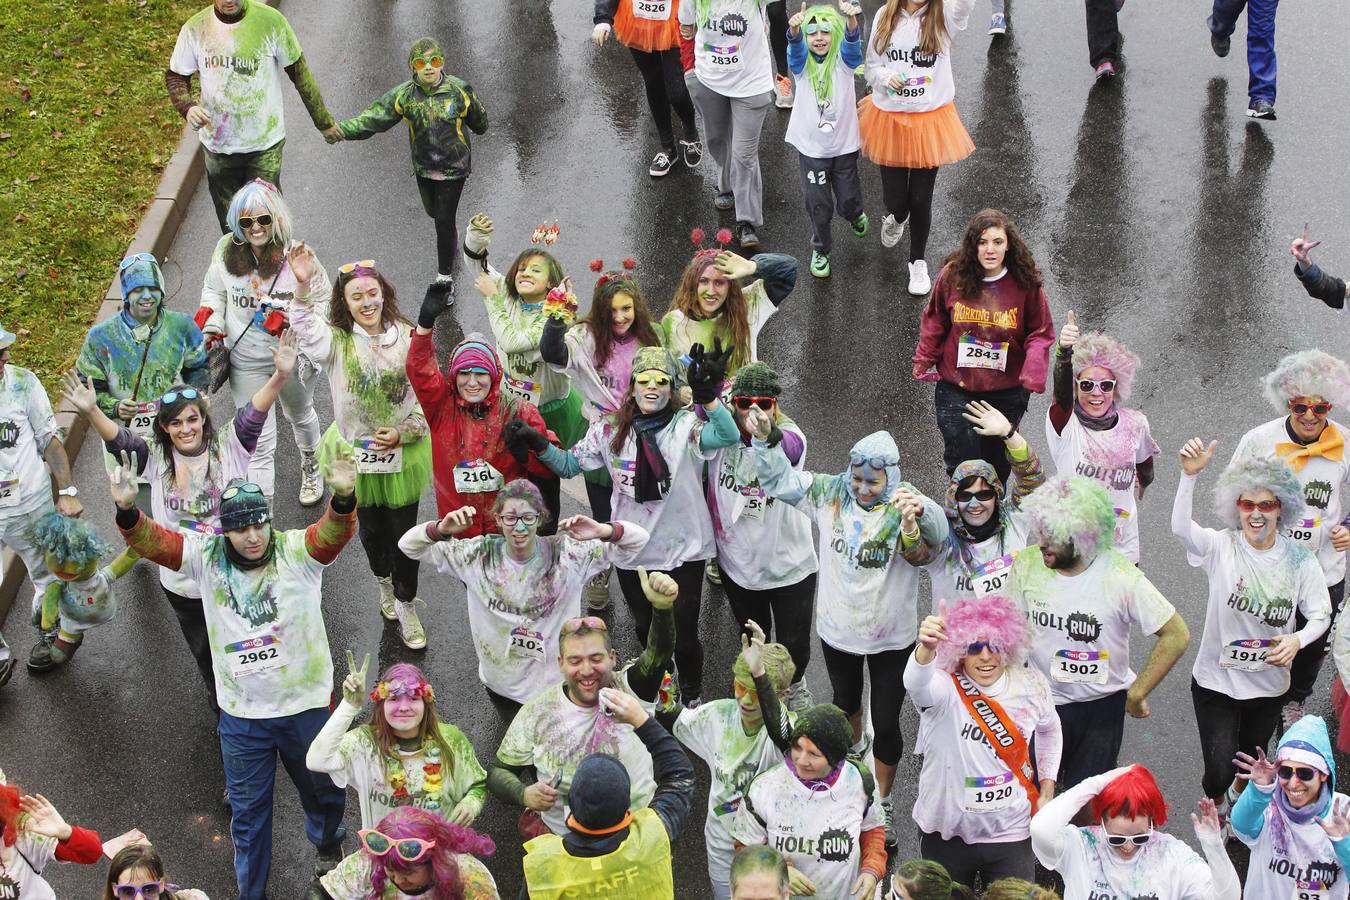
707 371
439 297
520 439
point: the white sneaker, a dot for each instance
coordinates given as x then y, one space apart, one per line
311 484
891 231
919 282
1291 713
410 629
387 599
597 592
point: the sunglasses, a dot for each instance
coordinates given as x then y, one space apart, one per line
1318 409
135 258
984 495
246 222
764 403
813 26
1088 386
407 849
435 62
349 268
974 648
1266 506
873 462
1304 773
1120 840
247 487
510 520
650 380
186 394
594 623
150 890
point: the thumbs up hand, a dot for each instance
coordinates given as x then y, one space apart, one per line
795 23
1069 334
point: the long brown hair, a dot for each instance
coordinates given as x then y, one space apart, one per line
135 856
340 317
734 314
555 272
600 321
623 418
932 27
383 732
963 263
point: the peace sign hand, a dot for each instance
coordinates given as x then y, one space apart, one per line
1302 246
707 371
354 685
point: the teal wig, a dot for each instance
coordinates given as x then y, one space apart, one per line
1071 509
69 540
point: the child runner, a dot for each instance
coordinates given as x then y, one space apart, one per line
32 834
414 853
137 871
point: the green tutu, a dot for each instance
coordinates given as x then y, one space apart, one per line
564 418
392 489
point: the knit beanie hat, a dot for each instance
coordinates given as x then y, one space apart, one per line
599 794
756 380
827 727
475 353
139 273
246 506
657 358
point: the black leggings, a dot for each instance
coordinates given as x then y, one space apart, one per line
778 28
440 199
663 74
600 496
1308 660
783 612
888 693
380 527
1227 726
991 861
192 621
908 194
688 650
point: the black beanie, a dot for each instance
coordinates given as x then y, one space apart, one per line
599 794
827 727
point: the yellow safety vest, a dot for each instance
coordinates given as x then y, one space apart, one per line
638 870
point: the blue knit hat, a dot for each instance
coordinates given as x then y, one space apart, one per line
140 270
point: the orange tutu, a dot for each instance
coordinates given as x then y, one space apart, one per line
917 140
647 35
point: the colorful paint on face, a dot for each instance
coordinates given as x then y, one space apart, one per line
1259 528
473 387
808 760
405 714
532 279
251 542
185 430
977 512
651 397
429 71
712 291
66 570
747 700
984 668
365 302
1127 826
1057 556
1095 403
621 310
586 667
143 303
868 484
521 539
413 881
1309 425
993 248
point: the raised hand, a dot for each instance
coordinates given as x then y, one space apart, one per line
1337 822
733 265
911 509
354 685
1068 335
285 354
78 394
933 629
987 420
482 225
659 588
1302 247
1257 769
584 528
303 263
795 23
1206 819
561 302
340 474
43 818
1195 455
707 371
850 10
752 647
456 521
124 485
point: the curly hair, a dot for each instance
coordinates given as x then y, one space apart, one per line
69 540
451 840
994 619
1308 373
1097 348
1251 473
964 262
1071 509
340 315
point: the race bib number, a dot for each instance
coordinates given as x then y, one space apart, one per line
521 390
526 644
196 526
1080 666
9 490
972 353
724 57
990 793
652 10
750 505
989 578
371 460
477 476
1311 890
143 420
255 655
1305 531
1247 655
624 473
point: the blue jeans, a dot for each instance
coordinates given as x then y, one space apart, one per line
1260 40
249 748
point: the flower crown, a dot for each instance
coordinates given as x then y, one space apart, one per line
384 690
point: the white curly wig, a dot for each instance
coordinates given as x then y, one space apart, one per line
1096 348
1250 473
1308 373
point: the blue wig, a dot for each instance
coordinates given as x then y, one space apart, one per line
69 540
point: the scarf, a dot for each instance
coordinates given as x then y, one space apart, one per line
816 784
1286 814
1105 423
653 474
239 562
1329 444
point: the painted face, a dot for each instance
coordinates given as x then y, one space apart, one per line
712 291
1058 556
66 570
586 667
1126 826
229 7
1095 403
649 391
1298 792
258 234
532 281
621 313
404 714
808 760
868 484
757 886
1258 527
427 68
418 878
473 387
143 303
365 302
1308 425
819 43
975 511
251 542
983 668
520 536
185 430
747 699
993 247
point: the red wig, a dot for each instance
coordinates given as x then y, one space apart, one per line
9 812
1133 794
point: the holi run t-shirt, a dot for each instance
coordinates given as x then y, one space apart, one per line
27 424
350 880
240 67
1298 862
602 387
1110 457
927 77
817 831
731 47
554 735
713 733
1080 625
1325 485
21 867
1165 868
517 328
976 569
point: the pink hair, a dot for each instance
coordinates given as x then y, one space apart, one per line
1099 349
994 619
451 840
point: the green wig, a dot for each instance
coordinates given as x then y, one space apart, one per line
778 666
69 540
1071 509
821 73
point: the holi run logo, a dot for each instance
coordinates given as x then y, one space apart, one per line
8 889
834 845
1083 627
9 434
1318 494
1279 611
733 25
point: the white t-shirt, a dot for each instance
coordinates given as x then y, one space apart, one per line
679 524
682 333
731 49
1307 855
21 867
27 425
554 735
1080 625
1325 485
1109 457
928 78
953 575
762 543
1165 868
241 67
517 610
713 733
235 299
600 387
818 832
824 129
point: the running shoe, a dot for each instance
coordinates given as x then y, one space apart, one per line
891 231
888 819
6 670
712 572
444 286
311 485
998 23
1291 713
919 282
1220 44
387 599
692 153
597 592
724 202
410 629
799 697
861 225
661 164
820 264
1105 69
1261 109
331 855
746 237
783 93
40 657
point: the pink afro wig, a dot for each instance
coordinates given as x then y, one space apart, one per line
994 619
451 840
1099 349
1308 373
1071 509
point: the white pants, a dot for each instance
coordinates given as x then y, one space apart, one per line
297 404
16 533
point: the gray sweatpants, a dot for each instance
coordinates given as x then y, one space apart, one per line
827 185
731 127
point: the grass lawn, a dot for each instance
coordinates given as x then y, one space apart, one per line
86 127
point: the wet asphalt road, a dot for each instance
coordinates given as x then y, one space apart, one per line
1155 209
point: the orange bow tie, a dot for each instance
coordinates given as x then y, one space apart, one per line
1330 445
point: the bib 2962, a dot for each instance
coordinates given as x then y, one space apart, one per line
255 655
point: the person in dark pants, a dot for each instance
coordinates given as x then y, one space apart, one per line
1104 39
438 108
1260 48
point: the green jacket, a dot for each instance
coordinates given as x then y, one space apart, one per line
436 120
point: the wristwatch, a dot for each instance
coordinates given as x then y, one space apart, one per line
71 491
